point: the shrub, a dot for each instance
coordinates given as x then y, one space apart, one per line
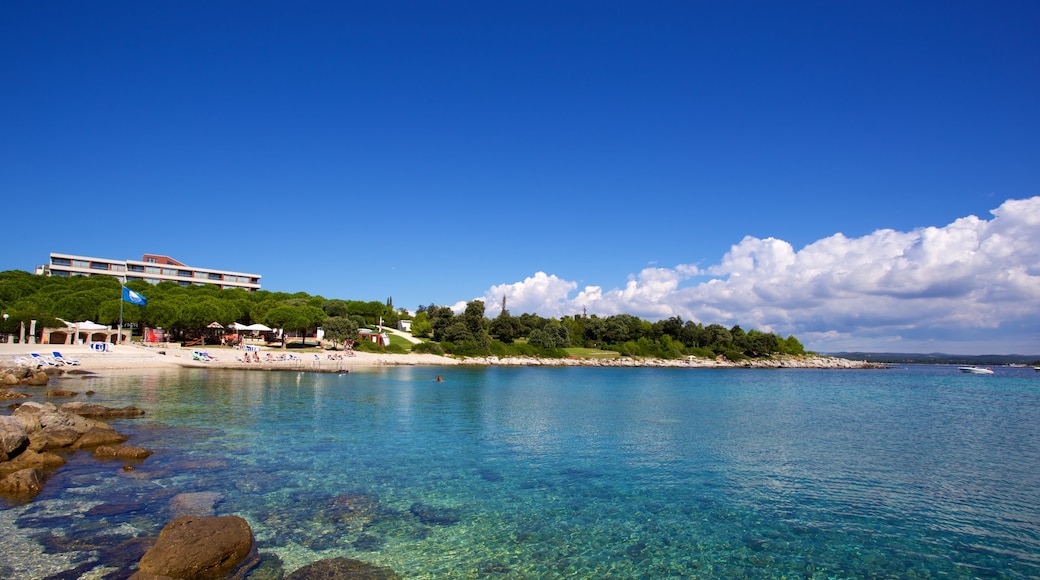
428 348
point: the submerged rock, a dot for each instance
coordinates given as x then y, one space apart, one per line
195 504
100 411
435 516
121 452
342 568
199 548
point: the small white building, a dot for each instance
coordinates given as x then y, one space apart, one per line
404 325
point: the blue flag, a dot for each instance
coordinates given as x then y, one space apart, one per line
133 297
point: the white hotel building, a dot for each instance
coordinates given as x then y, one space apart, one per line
150 268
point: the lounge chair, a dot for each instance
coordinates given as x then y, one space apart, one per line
65 361
43 360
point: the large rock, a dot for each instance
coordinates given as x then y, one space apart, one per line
13 436
6 395
23 483
29 414
94 410
75 422
31 459
54 437
37 379
335 568
97 436
198 548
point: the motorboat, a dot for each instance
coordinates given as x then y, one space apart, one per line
976 370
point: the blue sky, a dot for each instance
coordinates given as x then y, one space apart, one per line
732 162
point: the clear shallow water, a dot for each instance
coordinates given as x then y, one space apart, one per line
915 472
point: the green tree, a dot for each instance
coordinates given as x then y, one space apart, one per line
421 327
340 328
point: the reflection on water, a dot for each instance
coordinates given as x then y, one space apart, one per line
525 472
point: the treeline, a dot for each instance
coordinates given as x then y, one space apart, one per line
471 333
185 312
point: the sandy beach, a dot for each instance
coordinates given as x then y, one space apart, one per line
135 356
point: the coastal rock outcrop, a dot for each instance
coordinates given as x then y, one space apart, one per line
13 436
33 430
31 459
199 548
342 568
53 437
21 483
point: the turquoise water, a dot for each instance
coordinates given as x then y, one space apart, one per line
916 472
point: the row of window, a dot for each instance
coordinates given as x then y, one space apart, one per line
147 270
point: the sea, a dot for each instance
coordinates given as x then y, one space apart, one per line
563 472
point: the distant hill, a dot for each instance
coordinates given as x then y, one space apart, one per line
937 358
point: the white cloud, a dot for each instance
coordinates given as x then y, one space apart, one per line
973 285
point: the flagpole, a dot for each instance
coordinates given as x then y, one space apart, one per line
121 286
120 340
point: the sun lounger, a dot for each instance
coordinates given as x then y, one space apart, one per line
65 361
44 360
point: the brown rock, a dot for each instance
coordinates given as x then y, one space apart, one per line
94 410
76 422
24 482
60 393
6 395
342 568
121 452
38 379
99 436
12 435
53 438
31 459
202 548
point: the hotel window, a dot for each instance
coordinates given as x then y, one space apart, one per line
151 280
136 269
214 276
117 267
98 266
81 264
152 269
62 273
169 272
150 260
184 273
60 262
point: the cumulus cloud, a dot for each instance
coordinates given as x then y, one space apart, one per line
970 285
